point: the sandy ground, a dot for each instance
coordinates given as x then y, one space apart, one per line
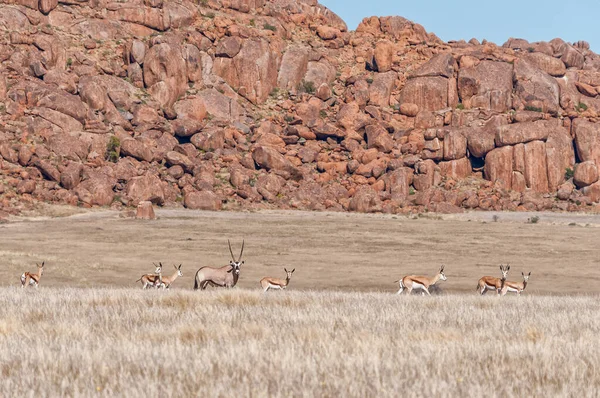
331 251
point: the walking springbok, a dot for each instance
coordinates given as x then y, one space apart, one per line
152 280
166 281
275 283
516 287
32 279
226 276
420 282
491 283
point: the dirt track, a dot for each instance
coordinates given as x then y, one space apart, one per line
329 250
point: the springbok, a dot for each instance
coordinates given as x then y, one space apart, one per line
226 276
491 283
166 281
152 280
275 283
516 287
32 279
420 282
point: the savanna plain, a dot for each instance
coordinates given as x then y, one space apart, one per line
338 330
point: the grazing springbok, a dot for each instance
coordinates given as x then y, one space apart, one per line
420 282
166 281
491 283
32 279
152 280
516 287
275 283
226 276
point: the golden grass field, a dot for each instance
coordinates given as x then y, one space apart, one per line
123 342
338 330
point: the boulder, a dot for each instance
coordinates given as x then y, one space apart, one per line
327 32
443 65
560 155
487 85
190 108
480 141
145 211
71 175
409 109
535 88
424 177
571 57
193 62
536 170
228 47
26 186
586 89
428 93
201 200
269 185
499 166
399 182
381 89
47 169
383 56
174 158
365 200
165 73
253 71
269 158
379 138
552 66
456 169
138 51
586 173
145 188
137 149
587 140
219 105
565 190
45 6
518 133
294 64
455 145
96 189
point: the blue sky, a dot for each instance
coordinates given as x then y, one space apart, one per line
496 21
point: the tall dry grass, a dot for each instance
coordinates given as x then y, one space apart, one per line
118 342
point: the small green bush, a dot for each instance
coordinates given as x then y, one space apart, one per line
113 149
534 220
307 87
569 173
533 108
460 106
581 107
270 27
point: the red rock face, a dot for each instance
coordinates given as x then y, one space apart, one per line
250 104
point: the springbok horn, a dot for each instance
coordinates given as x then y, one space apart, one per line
241 252
231 251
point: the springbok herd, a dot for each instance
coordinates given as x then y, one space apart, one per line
228 276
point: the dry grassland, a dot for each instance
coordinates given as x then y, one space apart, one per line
123 342
338 331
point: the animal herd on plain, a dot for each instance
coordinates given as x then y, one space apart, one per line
228 275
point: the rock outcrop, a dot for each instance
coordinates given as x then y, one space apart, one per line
275 104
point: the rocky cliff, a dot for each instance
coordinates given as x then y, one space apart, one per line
254 103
